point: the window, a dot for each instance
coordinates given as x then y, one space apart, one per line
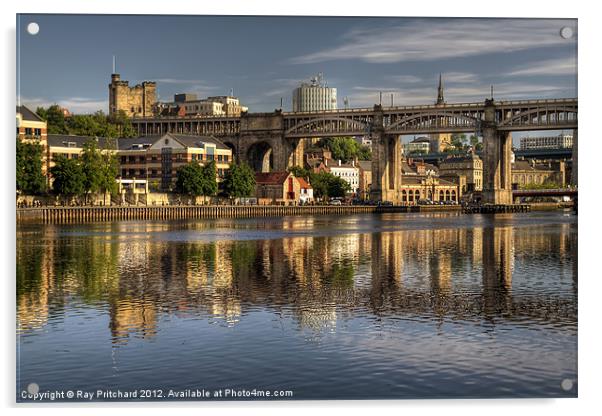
38 132
226 158
132 159
123 159
28 131
219 158
74 156
210 157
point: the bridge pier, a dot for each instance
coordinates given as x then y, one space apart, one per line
497 167
574 167
386 162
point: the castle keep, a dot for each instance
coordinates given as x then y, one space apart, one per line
136 101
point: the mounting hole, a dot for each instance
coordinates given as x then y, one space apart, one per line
33 388
566 32
567 384
33 28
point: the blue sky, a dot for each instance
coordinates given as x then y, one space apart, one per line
69 61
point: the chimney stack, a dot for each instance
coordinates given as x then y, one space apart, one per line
339 162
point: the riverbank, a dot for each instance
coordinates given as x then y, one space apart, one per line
117 213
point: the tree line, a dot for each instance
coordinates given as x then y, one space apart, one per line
96 169
194 180
98 124
92 173
346 149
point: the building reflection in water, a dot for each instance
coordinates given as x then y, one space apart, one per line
139 272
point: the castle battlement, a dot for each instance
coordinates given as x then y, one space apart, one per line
135 101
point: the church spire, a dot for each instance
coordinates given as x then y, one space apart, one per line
440 99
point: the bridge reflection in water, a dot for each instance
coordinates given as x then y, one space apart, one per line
312 278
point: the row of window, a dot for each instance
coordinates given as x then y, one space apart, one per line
526 179
67 155
410 195
155 173
178 158
31 131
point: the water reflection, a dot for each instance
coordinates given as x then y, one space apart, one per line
423 272
324 275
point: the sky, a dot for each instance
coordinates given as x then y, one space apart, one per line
262 59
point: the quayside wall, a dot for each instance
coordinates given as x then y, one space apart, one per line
120 213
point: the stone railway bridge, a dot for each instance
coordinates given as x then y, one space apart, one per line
275 141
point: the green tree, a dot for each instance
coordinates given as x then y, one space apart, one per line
123 124
327 185
190 179
346 148
474 140
91 162
210 179
109 169
195 180
100 167
68 177
299 172
98 124
30 179
54 118
239 181
365 153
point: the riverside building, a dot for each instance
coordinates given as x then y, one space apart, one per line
562 141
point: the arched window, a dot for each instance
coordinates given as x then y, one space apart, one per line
447 195
453 196
404 196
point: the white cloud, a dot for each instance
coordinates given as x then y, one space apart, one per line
558 66
460 77
76 105
405 79
176 81
427 40
363 96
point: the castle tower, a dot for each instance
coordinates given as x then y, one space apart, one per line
136 101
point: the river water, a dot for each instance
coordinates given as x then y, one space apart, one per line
322 307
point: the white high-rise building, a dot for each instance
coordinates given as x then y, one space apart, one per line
562 141
314 96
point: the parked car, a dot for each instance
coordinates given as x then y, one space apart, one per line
336 202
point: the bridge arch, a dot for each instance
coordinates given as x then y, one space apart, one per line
534 114
260 157
435 119
327 125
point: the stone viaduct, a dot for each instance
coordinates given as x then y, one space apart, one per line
275 141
